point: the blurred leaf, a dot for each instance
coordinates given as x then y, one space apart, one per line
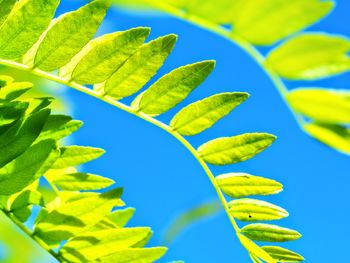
269 233
174 87
311 56
23 28
237 185
14 90
230 150
282 254
139 68
335 136
203 114
324 105
190 217
255 210
5 9
99 59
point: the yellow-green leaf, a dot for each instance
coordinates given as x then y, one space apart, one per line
263 22
24 25
229 150
70 218
139 68
98 244
79 181
237 185
255 210
135 255
76 155
202 114
255 249
311 56
21 206
14 90
324 105
99 59
5 9
174 87
282 254
68 34
255 259
25 169
335 136
269 233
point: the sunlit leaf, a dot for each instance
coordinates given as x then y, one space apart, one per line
229 150
14 90
68 34
139 68
202 114
76 155
21 205
255 249
311 56
255 210
23 28
174 87
103 56
269 233
5 9
282 254
79 181
237 185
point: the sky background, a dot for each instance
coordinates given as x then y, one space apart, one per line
162 179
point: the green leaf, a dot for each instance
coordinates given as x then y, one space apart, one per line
103 56
25 169
282 254
5 8
311 56
68 34
139 68
324 105
5 80
174 87
269 233
135 255
79 181
11 112
98 244
202 114
37 104
23 27
22 203
255 259
255 210
76 155
20 136
335 136
70 218
121 217
229 150
58 127
14 90
190 217
237 185
255 249
265 22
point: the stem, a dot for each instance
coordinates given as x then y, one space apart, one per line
240 42
141 115
20 225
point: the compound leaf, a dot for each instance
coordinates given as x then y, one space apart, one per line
282 254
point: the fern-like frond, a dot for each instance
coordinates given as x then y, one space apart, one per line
307 56
90 225
63 45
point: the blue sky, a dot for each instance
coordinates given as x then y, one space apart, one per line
161 178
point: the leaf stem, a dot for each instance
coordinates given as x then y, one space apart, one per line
234 38
141 115
21 226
